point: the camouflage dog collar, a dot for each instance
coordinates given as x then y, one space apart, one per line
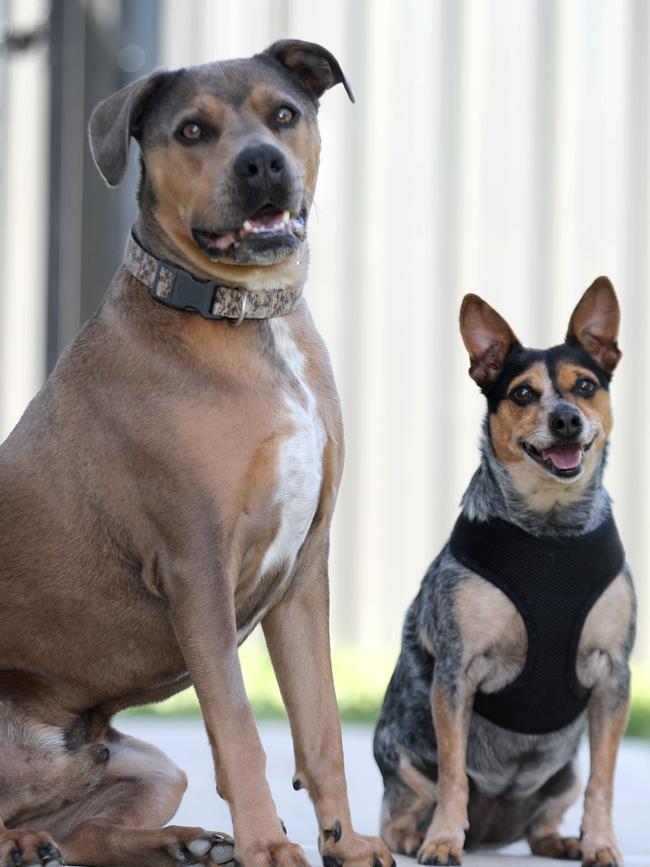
181 290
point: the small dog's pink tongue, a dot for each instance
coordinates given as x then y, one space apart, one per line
566 457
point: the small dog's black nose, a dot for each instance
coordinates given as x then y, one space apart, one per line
260 166
565 422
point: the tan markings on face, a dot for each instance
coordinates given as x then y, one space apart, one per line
512 423
189 182
598 409
301 140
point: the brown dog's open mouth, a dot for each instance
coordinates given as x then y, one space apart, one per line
268 225
563 460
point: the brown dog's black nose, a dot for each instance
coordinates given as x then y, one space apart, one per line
262 166
565 421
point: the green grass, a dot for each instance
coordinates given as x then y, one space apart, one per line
361 677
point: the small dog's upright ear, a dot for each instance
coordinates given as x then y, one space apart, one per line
595 323
487 337
315 67
115 120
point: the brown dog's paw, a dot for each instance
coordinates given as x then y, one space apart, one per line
20 846
353 850
282 853
554 846
440 851
195 846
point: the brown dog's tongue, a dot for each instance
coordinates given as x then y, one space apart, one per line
565 457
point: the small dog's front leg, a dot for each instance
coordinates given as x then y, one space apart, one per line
297 635
608 713
451 706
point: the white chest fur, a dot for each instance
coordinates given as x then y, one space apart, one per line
299 470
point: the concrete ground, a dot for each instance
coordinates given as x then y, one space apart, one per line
185 742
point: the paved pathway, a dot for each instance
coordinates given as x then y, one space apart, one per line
185 741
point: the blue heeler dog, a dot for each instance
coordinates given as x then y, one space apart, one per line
523 626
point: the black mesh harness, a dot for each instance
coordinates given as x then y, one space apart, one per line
553 583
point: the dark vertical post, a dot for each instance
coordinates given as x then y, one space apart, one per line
92 55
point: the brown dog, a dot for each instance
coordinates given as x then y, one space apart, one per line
172 486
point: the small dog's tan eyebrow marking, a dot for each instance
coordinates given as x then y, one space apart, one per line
567 374
536 376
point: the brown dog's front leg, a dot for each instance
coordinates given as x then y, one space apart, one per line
297 635
608 714
452 713
203 617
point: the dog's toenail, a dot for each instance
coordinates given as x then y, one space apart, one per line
376 862
16 856
331 861
199 847
297 784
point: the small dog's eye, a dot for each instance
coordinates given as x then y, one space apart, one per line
522 395
192 132
585 386
284 115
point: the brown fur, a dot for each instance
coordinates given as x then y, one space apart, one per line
139 501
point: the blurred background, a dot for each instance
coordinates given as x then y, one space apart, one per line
497 146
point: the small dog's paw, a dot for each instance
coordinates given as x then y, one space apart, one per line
20 846
407 843
440 851
601 855
554 846
402 836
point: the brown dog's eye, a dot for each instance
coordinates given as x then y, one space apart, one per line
192 132
585 387
522 395
284 115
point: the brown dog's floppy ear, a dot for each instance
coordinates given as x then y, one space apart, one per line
487 337
315 67
115 120
595 322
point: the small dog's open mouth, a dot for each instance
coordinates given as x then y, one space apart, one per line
267 225
563 460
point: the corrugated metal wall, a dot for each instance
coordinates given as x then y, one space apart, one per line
497 146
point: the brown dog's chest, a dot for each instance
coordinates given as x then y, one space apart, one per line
285 501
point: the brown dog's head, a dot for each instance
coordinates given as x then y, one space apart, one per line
229 153
549 411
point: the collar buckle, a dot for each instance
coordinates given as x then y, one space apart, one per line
180 289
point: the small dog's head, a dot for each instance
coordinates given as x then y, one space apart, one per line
549 411
229 151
